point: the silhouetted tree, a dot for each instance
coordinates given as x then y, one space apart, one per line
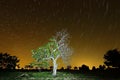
112 58
69 67
84 68
18 66
75 68
28 66
7 61
62 68
101 67
93 68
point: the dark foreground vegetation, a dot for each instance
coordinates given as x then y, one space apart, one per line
111 74
109 71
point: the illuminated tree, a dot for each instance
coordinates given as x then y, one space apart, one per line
56 47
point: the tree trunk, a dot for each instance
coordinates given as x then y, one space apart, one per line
54 68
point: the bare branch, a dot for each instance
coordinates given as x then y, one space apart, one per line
57 57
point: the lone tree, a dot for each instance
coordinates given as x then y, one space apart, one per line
58 46
7 61
112 58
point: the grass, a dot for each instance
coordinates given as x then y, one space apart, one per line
60 76
48 76
9 75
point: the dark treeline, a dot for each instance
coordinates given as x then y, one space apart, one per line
111 63
8 62
84 69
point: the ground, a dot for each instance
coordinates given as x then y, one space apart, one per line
47 75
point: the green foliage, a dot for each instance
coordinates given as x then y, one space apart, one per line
44 54
44 64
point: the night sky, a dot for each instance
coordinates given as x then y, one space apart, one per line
94 27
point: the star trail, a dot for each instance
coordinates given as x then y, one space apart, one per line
94 26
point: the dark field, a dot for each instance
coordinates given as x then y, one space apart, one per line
61 75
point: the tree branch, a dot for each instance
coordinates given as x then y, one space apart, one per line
48 58
57 57
58 47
